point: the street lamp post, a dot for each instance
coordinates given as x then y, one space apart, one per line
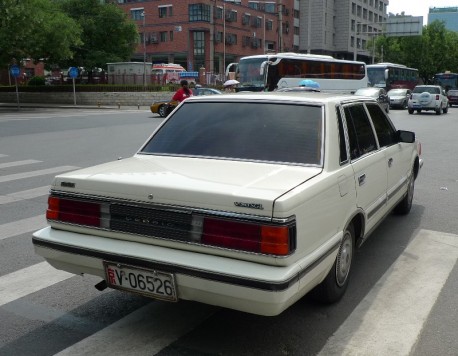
144 50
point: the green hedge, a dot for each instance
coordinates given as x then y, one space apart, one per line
88 88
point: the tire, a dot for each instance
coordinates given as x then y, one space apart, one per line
445 110
404 206
439 111
387 109
162 110
410 111
335 284
418 111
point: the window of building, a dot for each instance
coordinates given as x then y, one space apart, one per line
163 36
246 19
199 12
253 5
199 48
219 12
171 35
137 14
269 25
270 7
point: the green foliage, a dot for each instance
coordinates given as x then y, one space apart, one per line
435 51
37 81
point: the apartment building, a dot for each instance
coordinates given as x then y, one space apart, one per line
341 28
211 34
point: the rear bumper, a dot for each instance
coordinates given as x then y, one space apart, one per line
241 285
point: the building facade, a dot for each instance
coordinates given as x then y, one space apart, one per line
341 28
449 15
211 34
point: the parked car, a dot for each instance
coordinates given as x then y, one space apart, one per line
256 201
160 107
399 98
452 96
378 94
428 97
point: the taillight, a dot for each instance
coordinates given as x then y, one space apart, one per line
251 237
74 211
419 148
437 97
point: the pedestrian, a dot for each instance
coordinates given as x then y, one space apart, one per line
183 93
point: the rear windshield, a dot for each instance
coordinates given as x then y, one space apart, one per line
260 131
431 90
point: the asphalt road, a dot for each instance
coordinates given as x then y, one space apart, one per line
401 299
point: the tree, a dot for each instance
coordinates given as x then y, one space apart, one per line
35 29
107 34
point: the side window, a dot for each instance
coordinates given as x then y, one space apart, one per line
360 133
383 127
342 146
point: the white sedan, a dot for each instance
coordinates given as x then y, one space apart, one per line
246 201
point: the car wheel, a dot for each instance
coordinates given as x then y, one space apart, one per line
419 111
410 111
404 105
335 284
161 110
438 111
387 109
405 204
445 110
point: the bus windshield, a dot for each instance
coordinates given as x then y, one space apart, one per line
248 73
376 77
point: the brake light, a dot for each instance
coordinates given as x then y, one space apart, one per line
437 97
419 148
74 211
267 239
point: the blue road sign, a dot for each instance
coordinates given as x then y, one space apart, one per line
15 70
73 72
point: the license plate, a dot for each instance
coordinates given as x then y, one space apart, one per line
151 283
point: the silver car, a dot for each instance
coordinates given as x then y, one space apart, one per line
399 98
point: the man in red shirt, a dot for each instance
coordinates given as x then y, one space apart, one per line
183 93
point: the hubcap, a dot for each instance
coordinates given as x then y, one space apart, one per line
344 258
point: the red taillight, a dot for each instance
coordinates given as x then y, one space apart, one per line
273 240
437 97
73 211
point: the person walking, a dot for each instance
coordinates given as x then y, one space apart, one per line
183 93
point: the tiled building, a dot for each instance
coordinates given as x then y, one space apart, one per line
335 27
212 33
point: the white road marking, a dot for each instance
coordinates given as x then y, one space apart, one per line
18 163
389 320
19 227
24 195
144 332
2 155
29 280
40 172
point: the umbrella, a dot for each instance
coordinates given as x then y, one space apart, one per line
231 82
309 83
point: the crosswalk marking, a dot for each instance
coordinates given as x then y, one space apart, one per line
18 163
144 332
25 194
29 280
389 320
19 227
40 172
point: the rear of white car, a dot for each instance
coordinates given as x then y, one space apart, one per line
428 97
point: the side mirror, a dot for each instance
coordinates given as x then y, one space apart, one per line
405 136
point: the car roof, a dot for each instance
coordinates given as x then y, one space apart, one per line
316 98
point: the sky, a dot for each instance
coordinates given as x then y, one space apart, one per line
418 7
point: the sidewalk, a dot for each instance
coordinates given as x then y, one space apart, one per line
14 106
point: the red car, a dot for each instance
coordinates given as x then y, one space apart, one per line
452 96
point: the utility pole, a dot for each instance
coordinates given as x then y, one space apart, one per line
144 50
280 26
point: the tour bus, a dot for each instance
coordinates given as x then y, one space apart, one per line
284 70
164 73
447 80
392 76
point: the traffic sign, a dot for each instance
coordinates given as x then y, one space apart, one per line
15 70
73 72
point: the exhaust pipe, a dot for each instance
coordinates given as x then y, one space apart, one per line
101 285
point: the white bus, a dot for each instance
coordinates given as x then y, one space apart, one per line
282 70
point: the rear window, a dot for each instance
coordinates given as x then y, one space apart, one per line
431 90
260 131
453 92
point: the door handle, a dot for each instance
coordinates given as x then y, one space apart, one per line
390 162
361 179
